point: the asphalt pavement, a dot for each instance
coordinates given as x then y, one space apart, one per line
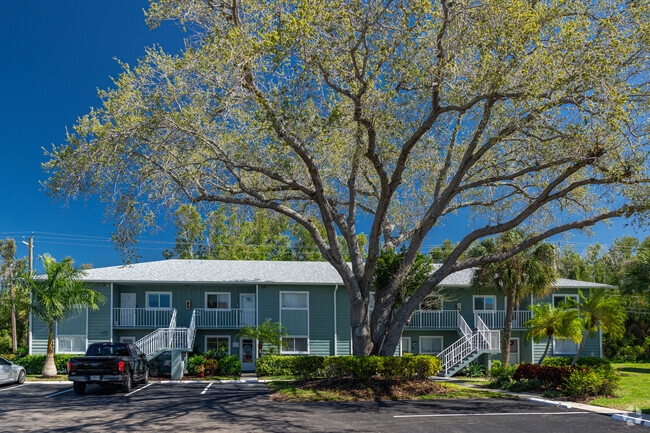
246 407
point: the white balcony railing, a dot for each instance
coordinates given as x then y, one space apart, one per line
143 317
437 319
496 318
225 319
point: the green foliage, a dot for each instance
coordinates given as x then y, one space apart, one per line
474 369
265 333
412 367
34 363
389 262
193 362
211 366
229 366
559 361
501 374
218 353
525 385
553 393
550 322
589 382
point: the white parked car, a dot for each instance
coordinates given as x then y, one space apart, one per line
10 372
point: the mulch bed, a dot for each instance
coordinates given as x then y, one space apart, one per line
373 389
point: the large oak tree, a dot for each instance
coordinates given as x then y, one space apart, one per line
407 114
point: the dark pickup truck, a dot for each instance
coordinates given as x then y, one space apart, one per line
109 363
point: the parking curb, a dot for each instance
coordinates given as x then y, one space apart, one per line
631 419
550 402
52 382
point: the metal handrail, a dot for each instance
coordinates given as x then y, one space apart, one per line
464 327
142 317
172 322
191 331
231 318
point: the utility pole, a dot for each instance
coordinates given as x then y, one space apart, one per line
31 255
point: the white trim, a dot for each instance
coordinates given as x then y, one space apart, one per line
336 287
438 337
158 292
558 295
87 329
556 352
205 301
532 342
518 349
241 350
295 352
112 312
295 309
401 348
205 341
600 342
483 296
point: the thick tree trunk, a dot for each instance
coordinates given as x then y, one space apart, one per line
582 346
548 344
361 343
49 368
507 327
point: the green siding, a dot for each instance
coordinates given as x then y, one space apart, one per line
39 336
73 324
295 322
321 320
99 322
343 332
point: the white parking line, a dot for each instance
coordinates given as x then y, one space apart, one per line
491 414
57 393
139 389
12 387
206 388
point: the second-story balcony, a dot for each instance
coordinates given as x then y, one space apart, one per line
434 319
149 318
231 318
496 318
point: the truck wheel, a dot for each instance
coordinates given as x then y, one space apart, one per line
79 387
145 376
127 385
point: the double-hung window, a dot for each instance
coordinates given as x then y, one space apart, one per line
219 342
159 300
218 301
430 345
293 300
294 311
485 303
559 300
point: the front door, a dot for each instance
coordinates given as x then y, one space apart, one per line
247 354
514 351
247 307
127 309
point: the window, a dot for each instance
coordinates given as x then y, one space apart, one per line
431 303
485 303
430 345
564 347
295 345
561 299
219 301
71 344
159 299
220 342
406 345
293 300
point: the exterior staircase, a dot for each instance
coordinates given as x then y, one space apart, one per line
171 339
468 347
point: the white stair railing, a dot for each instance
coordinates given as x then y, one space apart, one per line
172 322
458 351
191 331
489 339
464 327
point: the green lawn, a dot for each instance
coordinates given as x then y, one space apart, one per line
38 377
634 389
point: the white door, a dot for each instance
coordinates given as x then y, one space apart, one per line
247 354
247 308
514 351
127 309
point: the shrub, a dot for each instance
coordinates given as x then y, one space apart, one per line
473 370
420 367
9 356
309 367
525 385
552 393
274 365
218 353
500 372
211 366
34 363
592 382
526 372
229 366
594 362
194 362
559 361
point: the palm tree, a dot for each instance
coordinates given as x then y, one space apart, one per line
549 322
602 311
57 293
267 332
636 276
532 271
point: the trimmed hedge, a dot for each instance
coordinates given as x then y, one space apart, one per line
409 367
229 366
585 361
34 363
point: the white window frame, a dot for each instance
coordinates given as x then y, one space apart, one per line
85 338
205 341
442 344
556 352
218 293
442 305
559 295
146 300
295 352
518 360
484 296
282 292
56 337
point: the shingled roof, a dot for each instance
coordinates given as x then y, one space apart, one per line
253 272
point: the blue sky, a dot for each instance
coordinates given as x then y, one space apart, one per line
55 56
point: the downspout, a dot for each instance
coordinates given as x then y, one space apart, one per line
532 342
336 288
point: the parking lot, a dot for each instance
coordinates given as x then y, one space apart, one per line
181 407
